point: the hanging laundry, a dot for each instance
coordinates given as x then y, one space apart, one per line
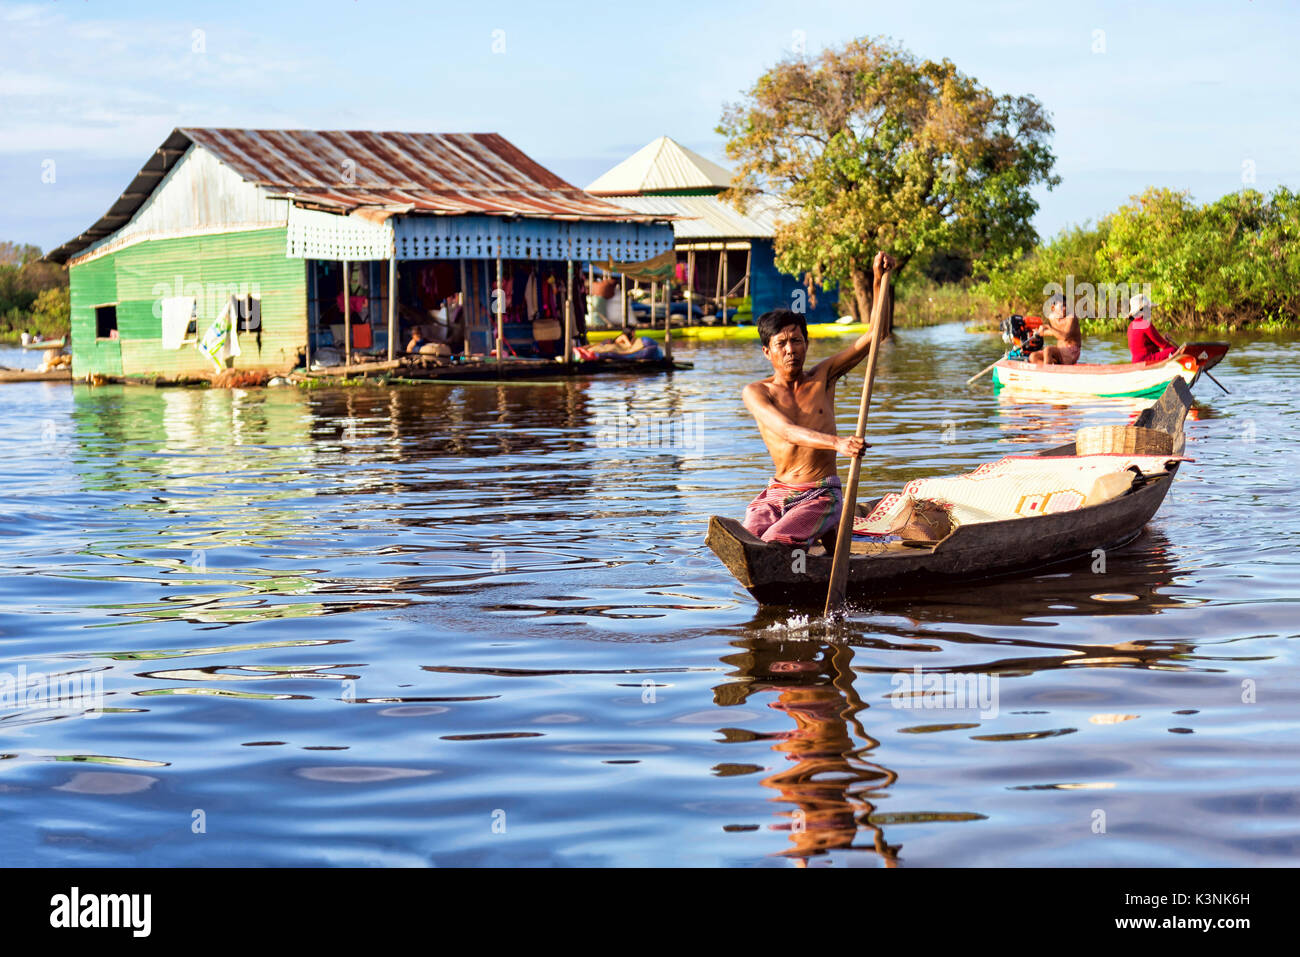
530 296
220 341
177 313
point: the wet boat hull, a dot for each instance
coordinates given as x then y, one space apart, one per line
1124 380
779 575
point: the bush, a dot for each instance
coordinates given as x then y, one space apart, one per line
1228 263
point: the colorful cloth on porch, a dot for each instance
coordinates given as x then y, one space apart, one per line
795 514
1017 486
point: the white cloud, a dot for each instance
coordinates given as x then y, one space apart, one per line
116 88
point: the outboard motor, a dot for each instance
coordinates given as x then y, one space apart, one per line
1018 332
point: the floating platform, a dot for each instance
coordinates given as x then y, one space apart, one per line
35 375
817 330
489 370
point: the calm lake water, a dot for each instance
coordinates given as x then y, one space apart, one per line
458 625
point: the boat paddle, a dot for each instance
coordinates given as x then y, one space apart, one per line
844 537
1217 382
987 368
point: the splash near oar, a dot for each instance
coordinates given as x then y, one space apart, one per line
844 538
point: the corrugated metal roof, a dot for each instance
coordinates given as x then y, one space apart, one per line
661 166
339 170
707 217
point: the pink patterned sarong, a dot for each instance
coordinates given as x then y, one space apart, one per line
795 514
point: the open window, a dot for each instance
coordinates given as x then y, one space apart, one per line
106 322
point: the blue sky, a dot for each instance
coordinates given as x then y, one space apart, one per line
1186 95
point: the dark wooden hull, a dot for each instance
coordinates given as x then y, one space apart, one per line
779 575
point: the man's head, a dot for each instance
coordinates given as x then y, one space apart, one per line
784 335
1140 306
1056 307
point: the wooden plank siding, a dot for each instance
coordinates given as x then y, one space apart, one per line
93 284
208 267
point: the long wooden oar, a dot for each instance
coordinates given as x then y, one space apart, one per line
844 537
1217 382
987 368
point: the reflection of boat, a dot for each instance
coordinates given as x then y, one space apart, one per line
816 330
773 574
1129 379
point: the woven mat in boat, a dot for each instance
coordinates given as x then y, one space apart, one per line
1016 486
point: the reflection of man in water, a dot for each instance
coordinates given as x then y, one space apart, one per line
824 776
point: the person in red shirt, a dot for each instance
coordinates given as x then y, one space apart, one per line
1145 343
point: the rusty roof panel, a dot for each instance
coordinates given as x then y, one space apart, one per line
446 174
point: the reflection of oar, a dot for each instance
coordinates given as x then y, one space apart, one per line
986 368
844 538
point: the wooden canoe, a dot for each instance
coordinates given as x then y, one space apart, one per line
984 550
1119 380
43 344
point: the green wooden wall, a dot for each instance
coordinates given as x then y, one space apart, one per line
94 284
139 276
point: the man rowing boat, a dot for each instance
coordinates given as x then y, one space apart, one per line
795 412
1065 329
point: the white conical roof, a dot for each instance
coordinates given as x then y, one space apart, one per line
663 165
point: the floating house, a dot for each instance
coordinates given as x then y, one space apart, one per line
722 250
319 247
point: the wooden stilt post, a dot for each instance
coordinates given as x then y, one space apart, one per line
392 304
313 306
464 306
499 300
749 261
668 321
717 288
568 315
690 286
725 290
347 316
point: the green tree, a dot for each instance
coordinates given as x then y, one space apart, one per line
1232 262
870 148
53 309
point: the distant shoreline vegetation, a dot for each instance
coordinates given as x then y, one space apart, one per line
33 294
1230 264
1226 265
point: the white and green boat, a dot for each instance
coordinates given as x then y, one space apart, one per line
1120 380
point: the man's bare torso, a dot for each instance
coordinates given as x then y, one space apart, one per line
810 404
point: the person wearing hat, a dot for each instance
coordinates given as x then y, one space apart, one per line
1145 343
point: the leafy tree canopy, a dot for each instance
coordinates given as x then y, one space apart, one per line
871 148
